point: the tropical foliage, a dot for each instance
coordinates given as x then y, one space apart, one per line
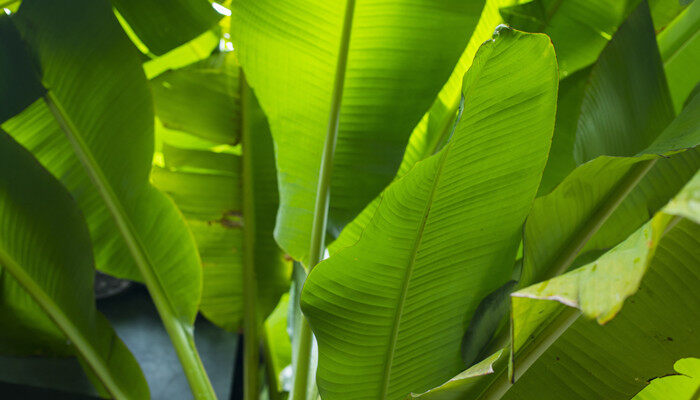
458 199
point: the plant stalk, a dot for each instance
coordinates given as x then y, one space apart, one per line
272 385
180 332
571 250
531 353
251 341
566 257
318 229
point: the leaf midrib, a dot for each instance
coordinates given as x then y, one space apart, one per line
407 278
178 327
426 212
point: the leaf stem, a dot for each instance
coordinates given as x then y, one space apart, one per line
251 341
553 330
180 331
531 353
318 229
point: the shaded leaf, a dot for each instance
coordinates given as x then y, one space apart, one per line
114 125
626 103
46 291
579 29
201 99
16 62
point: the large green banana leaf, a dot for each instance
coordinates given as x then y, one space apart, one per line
599 289
683 385
579 29
443 236
94 132
163 26
400 54
433 130
207 182
112 121
576 358
679 44
603 201
47 304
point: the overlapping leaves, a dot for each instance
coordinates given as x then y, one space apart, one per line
442 236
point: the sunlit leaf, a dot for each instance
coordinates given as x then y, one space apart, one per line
442 238
400 55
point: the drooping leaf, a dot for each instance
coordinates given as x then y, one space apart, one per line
113 121
642 342
400 55
579 29
679 45
47 304
650 332
686 204
93 130
207 183
443 237
599 289
163 26
682 386
603 201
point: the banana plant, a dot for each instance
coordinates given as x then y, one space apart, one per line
97 139
483 199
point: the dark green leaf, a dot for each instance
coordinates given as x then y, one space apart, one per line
626 103
46 292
